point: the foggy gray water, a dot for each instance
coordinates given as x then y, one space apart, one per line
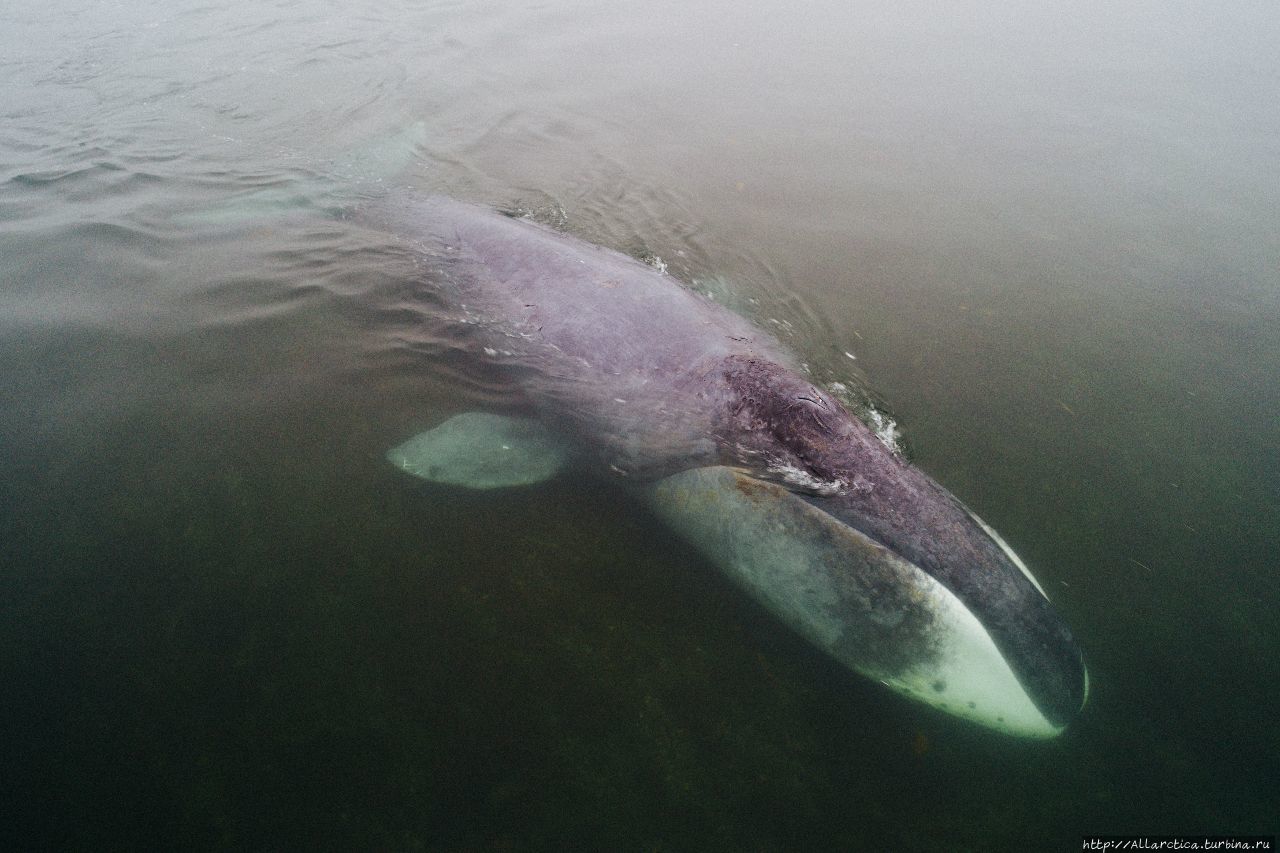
1043 239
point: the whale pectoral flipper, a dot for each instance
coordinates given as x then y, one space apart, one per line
479 450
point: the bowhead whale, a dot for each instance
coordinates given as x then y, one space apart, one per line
623 370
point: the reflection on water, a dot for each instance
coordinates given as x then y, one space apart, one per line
1046 243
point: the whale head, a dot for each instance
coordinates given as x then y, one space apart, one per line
927 597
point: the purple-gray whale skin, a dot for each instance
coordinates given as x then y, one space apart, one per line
710 420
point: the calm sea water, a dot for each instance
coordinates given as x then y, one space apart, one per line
1046 238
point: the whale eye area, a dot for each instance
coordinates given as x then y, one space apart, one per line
791 423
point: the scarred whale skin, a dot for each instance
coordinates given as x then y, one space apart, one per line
709 419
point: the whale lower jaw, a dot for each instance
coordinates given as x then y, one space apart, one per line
971 678
872 610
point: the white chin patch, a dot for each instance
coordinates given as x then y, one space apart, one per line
970 677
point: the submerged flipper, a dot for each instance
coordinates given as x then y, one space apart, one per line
479 450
